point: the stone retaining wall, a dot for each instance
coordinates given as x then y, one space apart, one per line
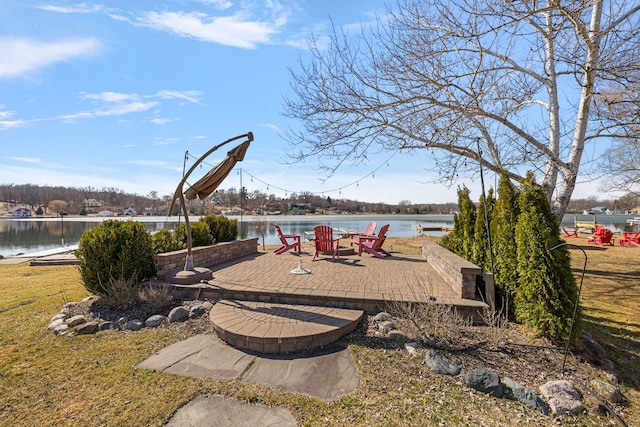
206 256
457 272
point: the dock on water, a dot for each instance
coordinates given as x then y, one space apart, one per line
64 255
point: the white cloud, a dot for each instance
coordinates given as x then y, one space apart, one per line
5 123
273 127
112 96
187 95
234 30
26 159
218 4
126 108
159 121
76 8
21 57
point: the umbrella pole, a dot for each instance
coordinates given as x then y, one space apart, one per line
188 264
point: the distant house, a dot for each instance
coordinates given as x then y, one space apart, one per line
20 211
92 203
600 210
232 211
129 211
105 213
154 212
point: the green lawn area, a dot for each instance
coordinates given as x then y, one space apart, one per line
92 380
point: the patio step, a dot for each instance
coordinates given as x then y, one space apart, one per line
267 327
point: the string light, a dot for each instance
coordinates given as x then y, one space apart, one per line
287 191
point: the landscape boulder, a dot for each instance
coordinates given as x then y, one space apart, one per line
178 314
485 381
562 397
134 325
440 365
76 320
88 328
155 320
525 396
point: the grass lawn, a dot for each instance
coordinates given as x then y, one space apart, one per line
91 380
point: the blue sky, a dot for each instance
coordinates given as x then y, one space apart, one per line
113 94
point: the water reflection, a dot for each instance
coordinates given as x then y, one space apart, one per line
25 236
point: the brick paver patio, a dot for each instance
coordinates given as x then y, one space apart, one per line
361 283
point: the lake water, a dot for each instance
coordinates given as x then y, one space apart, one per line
38 234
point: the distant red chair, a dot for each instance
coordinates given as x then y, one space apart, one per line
373 244
289 241
325 243
601 236
570 233
369 231
630 238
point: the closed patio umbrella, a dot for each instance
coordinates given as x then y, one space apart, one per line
208 183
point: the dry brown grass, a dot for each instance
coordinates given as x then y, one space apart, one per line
92 380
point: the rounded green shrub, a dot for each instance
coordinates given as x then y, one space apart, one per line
118 250
222 228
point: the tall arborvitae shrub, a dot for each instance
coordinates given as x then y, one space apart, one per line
481 256
119 250
460 240
546 291
503 238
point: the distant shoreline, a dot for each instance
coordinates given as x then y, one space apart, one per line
245 218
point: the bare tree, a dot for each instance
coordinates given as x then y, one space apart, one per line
621 162
516 78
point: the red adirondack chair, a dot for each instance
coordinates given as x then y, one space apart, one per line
289 241
325 243
570 233
373 244
630 238
369 231
601 236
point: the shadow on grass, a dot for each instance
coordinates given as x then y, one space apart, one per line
621 343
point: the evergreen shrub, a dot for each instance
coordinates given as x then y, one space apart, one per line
119 250
547 291
222 229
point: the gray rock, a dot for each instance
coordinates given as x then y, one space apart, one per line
70 305
178 314
562 397
134 325
485 381
385 326
76 320
196 311
61 329
397 335
383 316
607 391
412 348
594 405
55 323
525 396
207 305
58 316
440 365
593 347
155 320
88 328
104 326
